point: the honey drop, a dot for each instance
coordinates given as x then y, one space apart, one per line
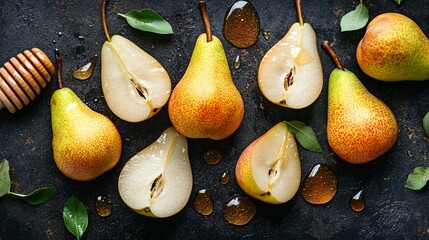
103 206
203 202
224 179
237 62
266 35
85 72
357 202
239 210
212 157
241 24
320 185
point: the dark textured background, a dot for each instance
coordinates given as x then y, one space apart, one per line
392 212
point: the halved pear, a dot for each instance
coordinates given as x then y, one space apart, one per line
135 85
157 182
269 169
290 74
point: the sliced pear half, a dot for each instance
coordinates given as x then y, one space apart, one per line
269 169
157 182
135 85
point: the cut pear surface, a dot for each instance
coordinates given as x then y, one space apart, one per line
269 169
290 74
134 84
157 182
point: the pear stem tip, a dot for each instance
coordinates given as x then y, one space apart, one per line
204 15
59 64
330 51
103 19
299 12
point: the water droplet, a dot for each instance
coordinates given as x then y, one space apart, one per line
60 34
224 179
241 25
357 202
237 62
103 206
212 157
203 202
239 210
86 70
54 41
320 185
266 35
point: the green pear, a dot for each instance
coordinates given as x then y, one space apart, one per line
360 126
394 48
85 143
205 103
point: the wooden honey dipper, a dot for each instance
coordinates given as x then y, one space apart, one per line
23 77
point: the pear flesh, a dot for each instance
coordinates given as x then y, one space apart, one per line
269 169
360 126
205 103
157 182
290 74
394 48
85 143
134 84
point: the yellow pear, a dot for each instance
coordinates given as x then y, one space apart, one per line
360 126
269 169
394 48
85 143
205 103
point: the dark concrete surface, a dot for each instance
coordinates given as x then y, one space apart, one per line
392 211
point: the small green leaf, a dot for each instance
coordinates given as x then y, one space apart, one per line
355 19
147 20
417 178
426 123
4 178
36 197
304 135
75 217
398 1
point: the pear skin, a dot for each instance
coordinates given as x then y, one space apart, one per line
205 103
360 126
394 48
85 143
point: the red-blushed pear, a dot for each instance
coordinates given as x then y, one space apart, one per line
157 181
394 48
205 103
134 84
290 74
360 126
269 169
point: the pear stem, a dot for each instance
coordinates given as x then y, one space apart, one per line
103 19
330 51
59 63
204 15
299 11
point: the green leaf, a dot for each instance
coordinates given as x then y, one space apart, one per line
304 135
75 217
398 1
4 178
355 19
147 20
417 178
426 123
36 197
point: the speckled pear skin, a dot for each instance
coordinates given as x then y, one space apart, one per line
394 48
360 126
205 103
85 143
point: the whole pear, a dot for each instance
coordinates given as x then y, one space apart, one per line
394 48
205 103
85 143
360 126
